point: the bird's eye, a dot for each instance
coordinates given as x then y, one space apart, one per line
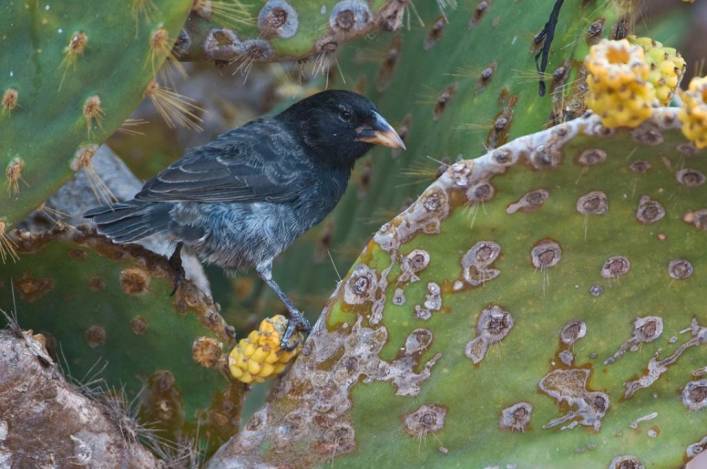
345 115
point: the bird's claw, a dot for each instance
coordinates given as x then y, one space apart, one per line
297 322
175 261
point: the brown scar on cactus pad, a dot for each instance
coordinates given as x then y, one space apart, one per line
134 281
516 418
529 202
645 330
435 32
443 100
656 368
479 12
493 325
429 418
33 288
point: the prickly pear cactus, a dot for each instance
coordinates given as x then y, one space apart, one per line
108 316
541 305
452 88
71 75
246 31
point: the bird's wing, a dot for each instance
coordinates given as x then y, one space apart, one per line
259 162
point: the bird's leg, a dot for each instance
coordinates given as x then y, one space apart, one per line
297 321
175 261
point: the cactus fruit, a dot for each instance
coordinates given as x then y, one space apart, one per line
244 31
259 356
694 112
667 67
619 90
565 324
98 303
72 80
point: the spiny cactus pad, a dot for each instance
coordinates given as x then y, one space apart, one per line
70 76
244 31
107 312
541 304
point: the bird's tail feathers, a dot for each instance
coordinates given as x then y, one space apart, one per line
127 222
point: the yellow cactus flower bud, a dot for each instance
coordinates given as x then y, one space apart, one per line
618 88
667 67
693 113
259 356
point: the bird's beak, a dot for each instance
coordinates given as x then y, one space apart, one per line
380 133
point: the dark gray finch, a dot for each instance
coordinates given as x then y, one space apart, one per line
242 199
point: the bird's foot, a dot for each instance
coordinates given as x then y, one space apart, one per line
296 323
175 261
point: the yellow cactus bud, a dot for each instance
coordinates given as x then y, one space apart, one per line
618 88
693 113
667 67
259 356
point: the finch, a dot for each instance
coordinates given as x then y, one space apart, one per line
243 198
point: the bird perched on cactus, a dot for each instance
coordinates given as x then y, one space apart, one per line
242 199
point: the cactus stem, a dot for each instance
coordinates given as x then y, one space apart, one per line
175 109
8 249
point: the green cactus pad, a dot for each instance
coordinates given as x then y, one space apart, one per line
541 305
74 74
107 313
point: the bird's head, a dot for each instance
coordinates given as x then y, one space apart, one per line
340 126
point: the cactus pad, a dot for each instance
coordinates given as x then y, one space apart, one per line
71 75
107 314
540 303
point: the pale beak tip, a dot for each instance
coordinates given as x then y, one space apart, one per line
384 134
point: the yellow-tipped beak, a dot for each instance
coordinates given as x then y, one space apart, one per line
380 133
